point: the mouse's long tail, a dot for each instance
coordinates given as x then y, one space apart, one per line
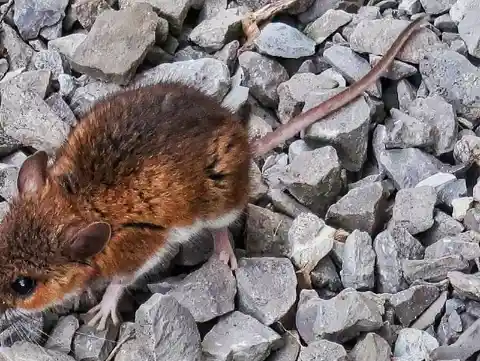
303 120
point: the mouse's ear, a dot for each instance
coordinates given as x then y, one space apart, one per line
32 173
89 241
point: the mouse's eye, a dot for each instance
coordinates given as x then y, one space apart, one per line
24 286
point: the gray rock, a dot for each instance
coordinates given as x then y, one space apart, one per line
436 7
410 6
414 345
32 16
406 93
85 96
131 350
454 304
452 76
173 11
467 149
323 350
52 32
90 344
61 108
228 54
8 181
451 191
28 119
311 240
358 264
346 130
438 180
238 336
455 245
3 67
313 178
435 111
299 146
293 93
460 207
445 23
284 41
325 275
432 269
208 292
351 65
267 232
339 319
361 208
258 188
431 314
413 208
468 28
24 350
212 34
397 71
266 288
392 246
60 339
410 303
208 75
236 99
262 75
466 285
50 60
37 81
376 36
290 349
327 24
67 45
405 131
124 37
19 53
472 219
167 330
190 53
87 11
461 8
211 8
371 348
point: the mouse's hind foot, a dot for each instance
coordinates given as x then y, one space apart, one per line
107 308
223 247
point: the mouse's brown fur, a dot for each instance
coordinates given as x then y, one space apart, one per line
128 163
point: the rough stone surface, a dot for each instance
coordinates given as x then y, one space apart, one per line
61 337
32 16
323 350
327 24
413 344
281 40
371 348
167 330
19 52
266 288
29 120
432 269
313 178
346 130
341 318
240 336
465 285
208 292
124 37
414 208
452 76
392 246
376 36
212 34
361 208
262 75
358 264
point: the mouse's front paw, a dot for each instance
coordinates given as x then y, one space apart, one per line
101 314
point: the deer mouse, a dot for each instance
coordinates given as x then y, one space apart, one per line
143 169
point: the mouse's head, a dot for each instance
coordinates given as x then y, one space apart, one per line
46 246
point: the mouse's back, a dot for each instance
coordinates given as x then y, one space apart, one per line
168 146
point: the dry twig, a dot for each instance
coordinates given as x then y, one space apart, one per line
252 23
